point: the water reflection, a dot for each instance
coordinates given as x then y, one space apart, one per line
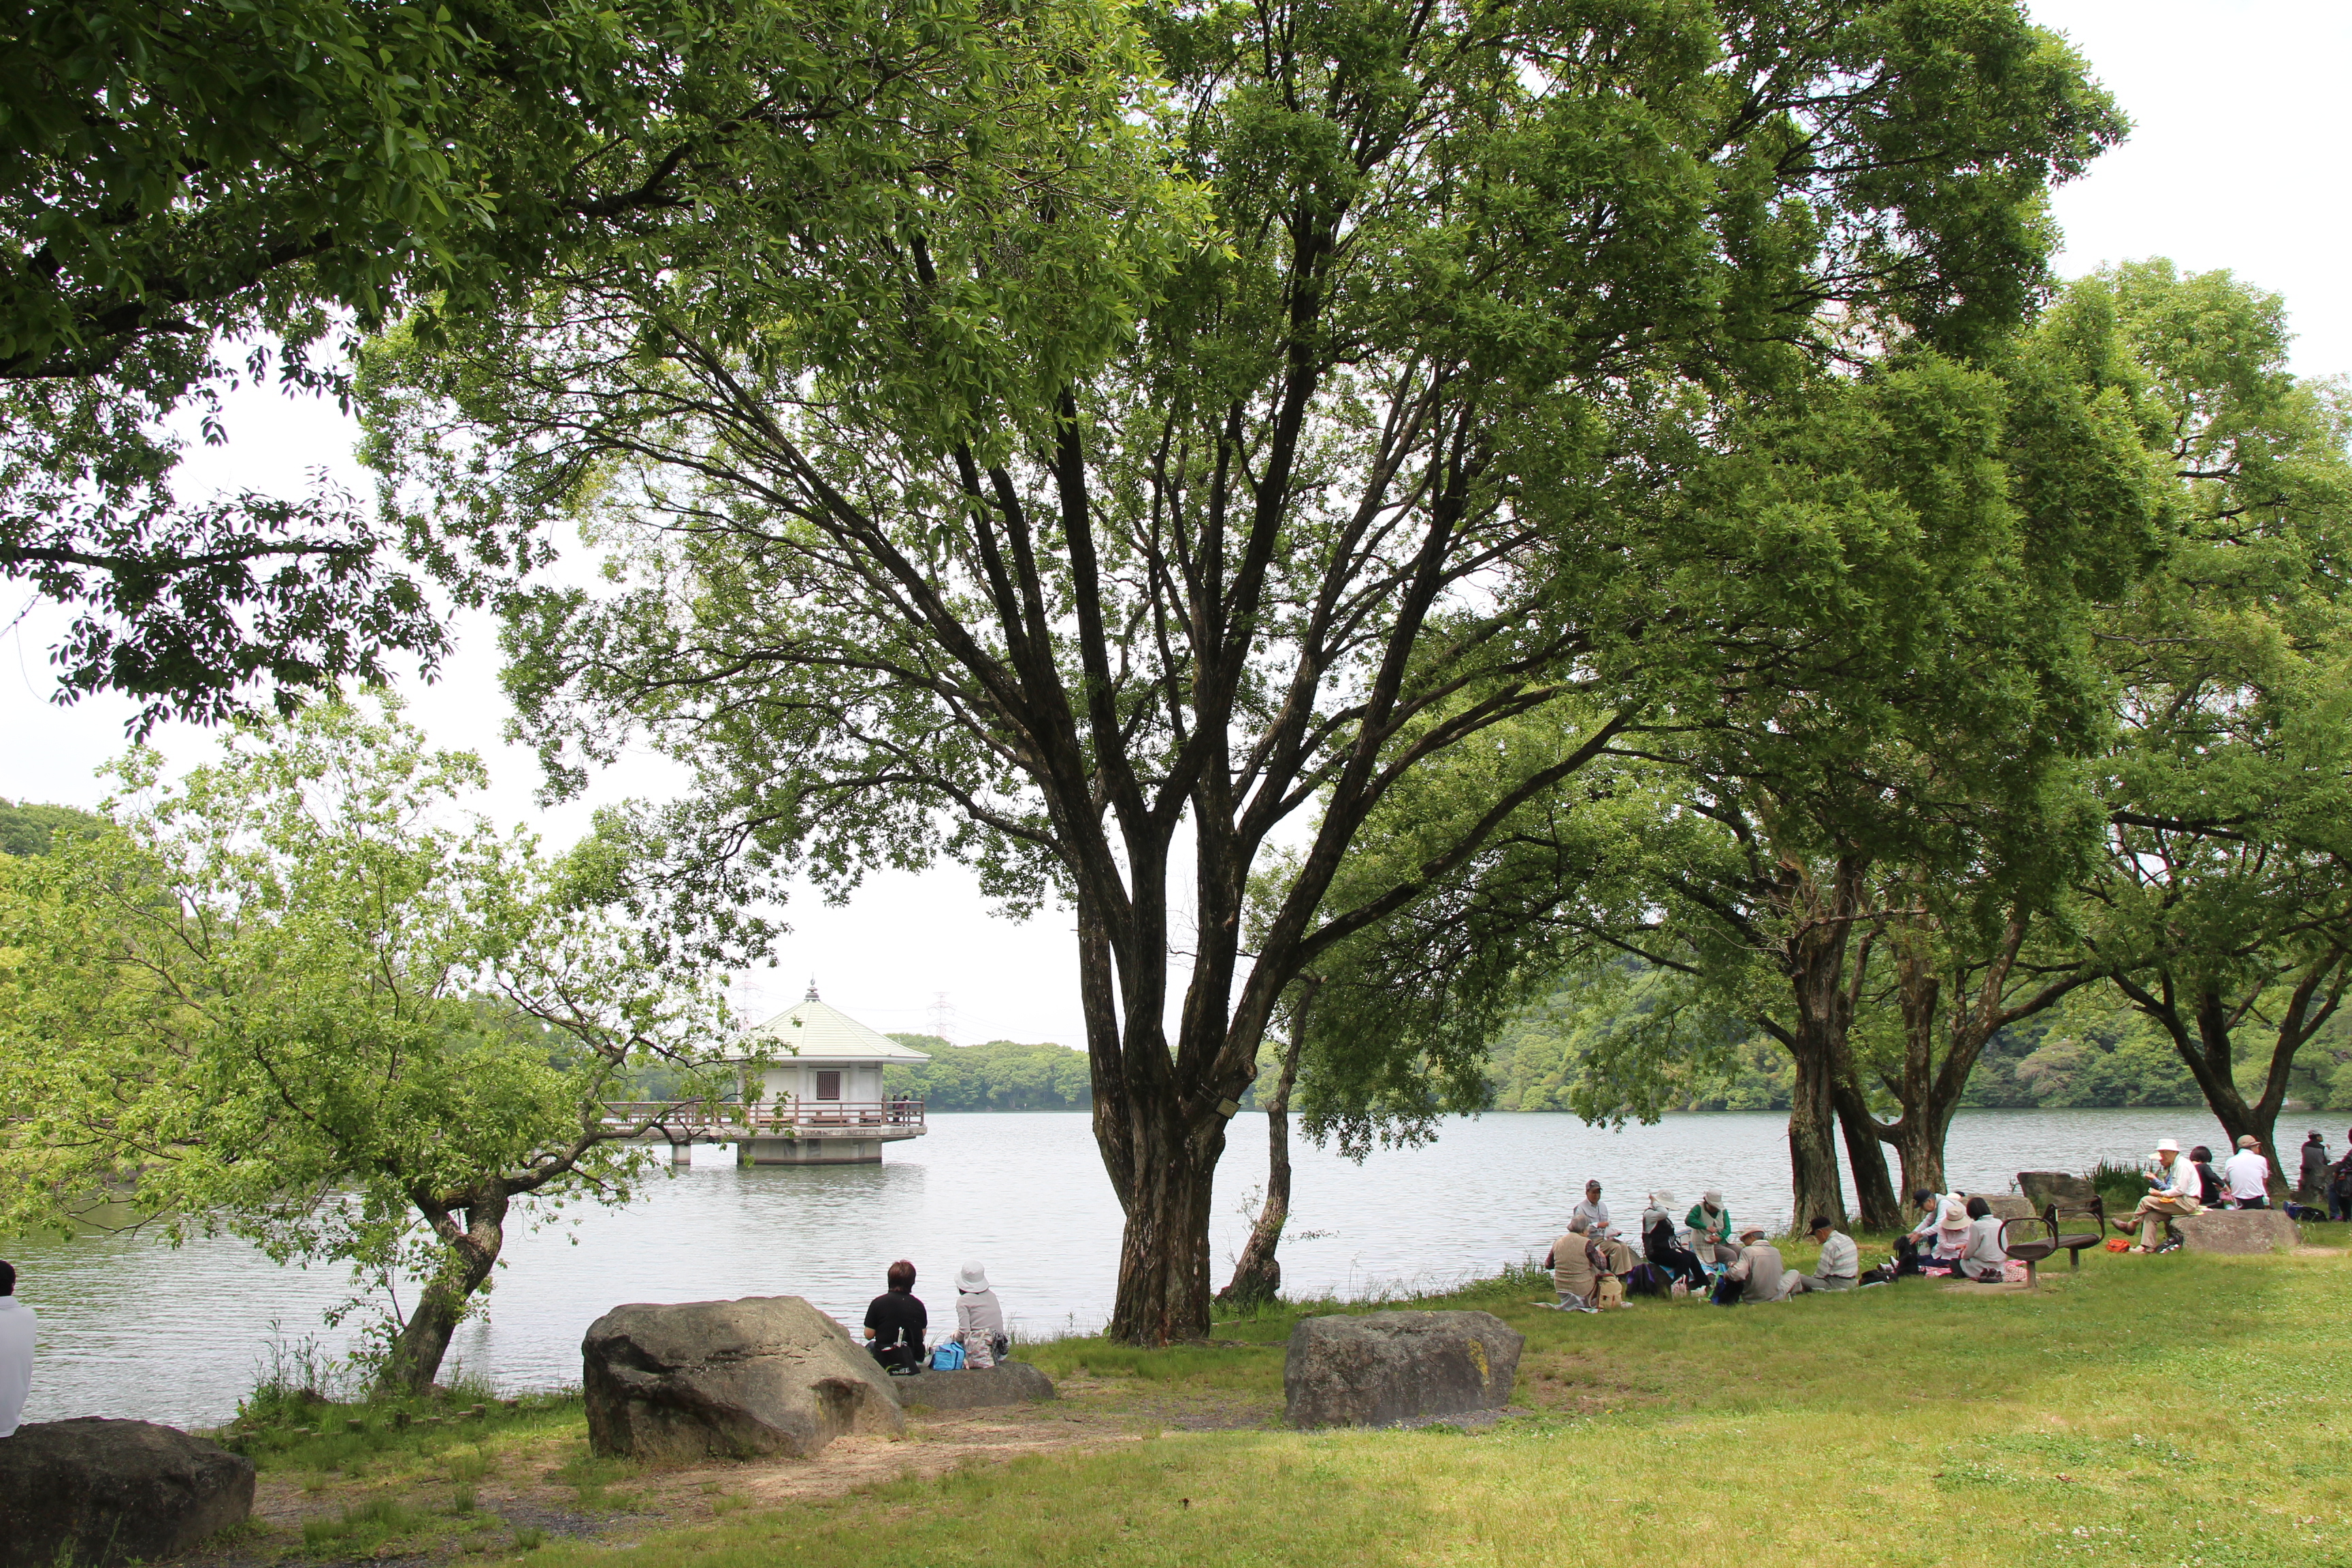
132 1327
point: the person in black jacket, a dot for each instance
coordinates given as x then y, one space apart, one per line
896 1321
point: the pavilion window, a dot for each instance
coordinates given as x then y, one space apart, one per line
828 1086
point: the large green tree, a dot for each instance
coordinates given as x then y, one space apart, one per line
2223 908
211 192
1097 541
293 997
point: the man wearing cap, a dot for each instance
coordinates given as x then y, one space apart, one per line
2248 1175
1755 1275
2173 1190
1594 1212
1841 1262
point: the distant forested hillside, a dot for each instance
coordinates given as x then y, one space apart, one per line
2096 1052
1003 1074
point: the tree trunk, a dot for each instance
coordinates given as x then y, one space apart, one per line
1874 1191
1257 1274
1816 1188
1814 963
1919 1143
472 1252
1163 1254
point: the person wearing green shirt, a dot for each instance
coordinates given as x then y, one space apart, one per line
1710 1226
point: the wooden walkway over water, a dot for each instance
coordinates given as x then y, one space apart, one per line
686 1123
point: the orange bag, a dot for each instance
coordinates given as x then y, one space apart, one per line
2119 1244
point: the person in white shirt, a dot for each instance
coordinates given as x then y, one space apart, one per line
1984 1258
1840 1264
2173 1190
1594 1212
2248 1175
15 1353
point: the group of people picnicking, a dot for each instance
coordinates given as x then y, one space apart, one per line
2189 1184
1701 1253
897 1325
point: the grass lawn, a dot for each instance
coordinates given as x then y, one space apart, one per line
2179 1409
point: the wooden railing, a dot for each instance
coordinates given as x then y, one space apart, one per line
724 1120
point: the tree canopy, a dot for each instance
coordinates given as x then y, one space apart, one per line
1205 454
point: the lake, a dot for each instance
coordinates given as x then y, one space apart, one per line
132 1327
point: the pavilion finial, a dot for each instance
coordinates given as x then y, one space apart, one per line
811 991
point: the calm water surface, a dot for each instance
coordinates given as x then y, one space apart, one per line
132 1327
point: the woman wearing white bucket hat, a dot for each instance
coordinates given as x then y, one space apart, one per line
2173 1190
979 1320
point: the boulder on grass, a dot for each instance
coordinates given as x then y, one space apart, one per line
767 1374
2043 1188
2008 1205
96 1492
2238 1232
1382 1367
975 1387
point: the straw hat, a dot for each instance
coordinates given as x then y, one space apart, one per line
971 1277
1752 1230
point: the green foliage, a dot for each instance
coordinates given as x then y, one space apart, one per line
289 997
1001 1075
219 192
30 829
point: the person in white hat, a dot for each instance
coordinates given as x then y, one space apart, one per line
2173 1190
980 1319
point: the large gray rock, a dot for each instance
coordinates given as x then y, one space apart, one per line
974 1388
2009 1205
1381 1367
767 1374
102 1492
2238 1232
2043 1188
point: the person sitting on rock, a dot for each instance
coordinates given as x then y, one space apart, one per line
979 1320
1840 1264
2173 1190
2248 1174
15 1353
1754 1275
895 1322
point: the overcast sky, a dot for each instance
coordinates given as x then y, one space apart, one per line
2233 162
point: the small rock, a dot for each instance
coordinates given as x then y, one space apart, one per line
974 1388
100 1492
1377 1368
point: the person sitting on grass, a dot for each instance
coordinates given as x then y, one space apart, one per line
1710 1229
1576 1266
1664 1248
1983 1258
1754 1275
2248 1175
2172 1191
895 1322
979 1320
1840 1264
1950 1241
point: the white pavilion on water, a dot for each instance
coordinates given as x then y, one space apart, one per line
819 1099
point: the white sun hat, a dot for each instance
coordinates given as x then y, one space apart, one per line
971 1277
2168 1145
